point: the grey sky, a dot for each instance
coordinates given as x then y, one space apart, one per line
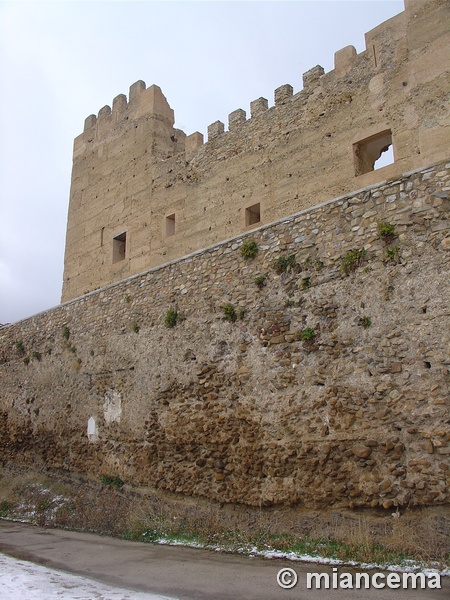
61 61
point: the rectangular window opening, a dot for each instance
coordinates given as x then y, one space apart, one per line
373 152
119 247
253 214
170 225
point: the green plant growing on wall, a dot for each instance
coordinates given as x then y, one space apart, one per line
386 231
37 356
260 281
284 263
135 327
319 265
306 283
308 334
353 259
26 360
365 322
20 348
66 332
392 254
249 249
229 313
128 298
171 318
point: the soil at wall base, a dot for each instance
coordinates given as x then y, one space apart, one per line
118 512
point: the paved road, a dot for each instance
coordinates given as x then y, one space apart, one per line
181 573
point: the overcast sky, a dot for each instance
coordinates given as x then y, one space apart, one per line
62 61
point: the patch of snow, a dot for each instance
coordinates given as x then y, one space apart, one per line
408 566
22 580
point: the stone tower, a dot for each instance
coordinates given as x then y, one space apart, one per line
144 194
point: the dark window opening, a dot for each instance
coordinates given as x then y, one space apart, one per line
373 153
119 247
170 225
253 214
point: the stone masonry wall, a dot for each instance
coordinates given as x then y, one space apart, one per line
247 410
136 177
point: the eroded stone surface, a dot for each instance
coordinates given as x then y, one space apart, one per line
251 411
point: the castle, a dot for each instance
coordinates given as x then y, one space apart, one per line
144 193
263 318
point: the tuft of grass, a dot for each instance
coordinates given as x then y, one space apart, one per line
112 481
365 322
386 231
229 313
249 249
5 508
260 281
392 254
306 283
319 264
284 263
66 332
353 259
308 334
171 318
135 327
20 348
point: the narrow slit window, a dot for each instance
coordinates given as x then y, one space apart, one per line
373 152
119 247
170 225
253 214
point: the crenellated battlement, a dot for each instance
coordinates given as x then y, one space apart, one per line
151 101
142 101
144 193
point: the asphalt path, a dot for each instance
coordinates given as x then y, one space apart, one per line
183 573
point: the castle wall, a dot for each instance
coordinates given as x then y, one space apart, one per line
247 411
143 193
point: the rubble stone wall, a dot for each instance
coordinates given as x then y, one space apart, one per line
304 374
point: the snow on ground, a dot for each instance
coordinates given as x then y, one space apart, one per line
21 580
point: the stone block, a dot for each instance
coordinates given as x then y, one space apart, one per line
283 94
344 60
259 106
236 118
215 129
311 77
193 142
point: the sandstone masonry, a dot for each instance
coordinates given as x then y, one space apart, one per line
143 193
